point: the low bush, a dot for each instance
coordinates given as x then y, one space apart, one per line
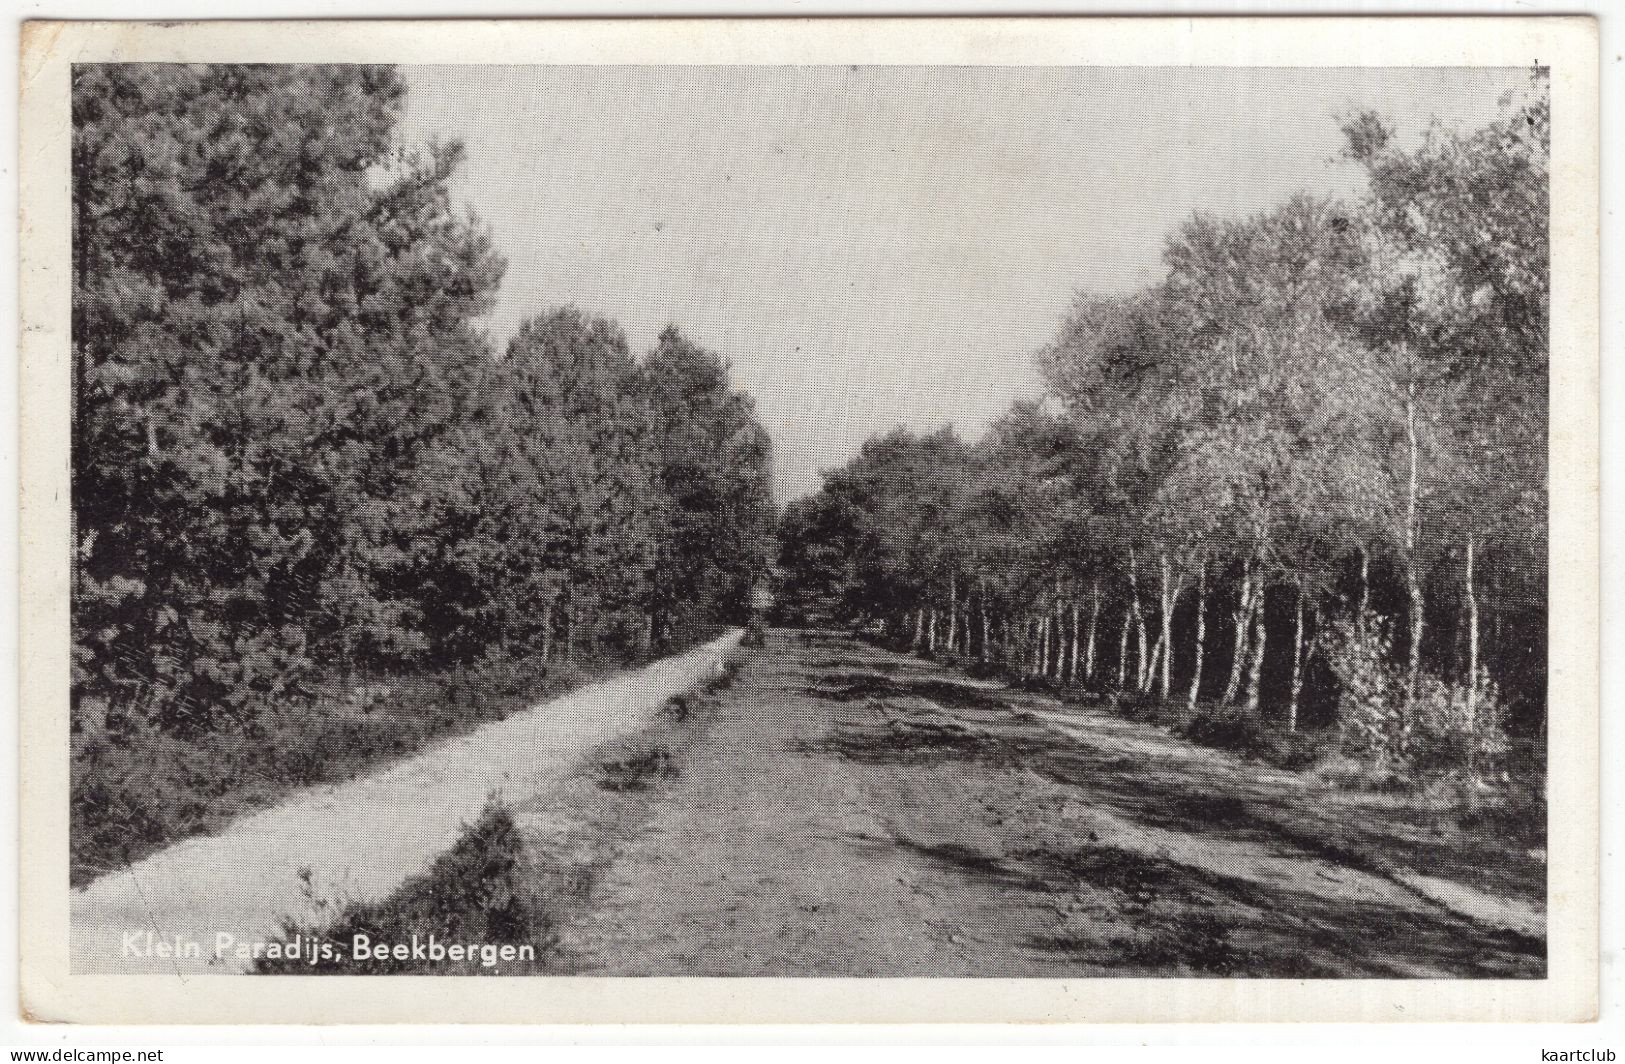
1224 726
1370 691
679 707
1150 709
1236 728
755 634
1513 812
477 893
1338 769
637 772
1036 684
983 669
725 678
1452 727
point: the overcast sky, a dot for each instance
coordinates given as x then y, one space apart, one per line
873 246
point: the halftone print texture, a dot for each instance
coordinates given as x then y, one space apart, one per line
810 521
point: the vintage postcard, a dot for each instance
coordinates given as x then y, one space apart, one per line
832 520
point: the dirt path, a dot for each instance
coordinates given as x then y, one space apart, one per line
358 840
845 811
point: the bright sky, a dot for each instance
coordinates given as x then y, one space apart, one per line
874 246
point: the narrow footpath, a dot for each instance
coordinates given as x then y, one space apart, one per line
355 841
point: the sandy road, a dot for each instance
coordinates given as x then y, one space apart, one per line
358 840
841 810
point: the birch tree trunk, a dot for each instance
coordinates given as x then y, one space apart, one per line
1472 634
1142 639
1045 644
1072 665
1297 661
1255 675
981 606
1166 638
1122 652
1418 619
1140 634
1242 618
1059 628
1094 623
1201 635
1365 590
953 612
1494 641
1413 666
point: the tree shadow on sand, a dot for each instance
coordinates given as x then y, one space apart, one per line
1154 914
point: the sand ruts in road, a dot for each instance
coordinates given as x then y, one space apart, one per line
845 811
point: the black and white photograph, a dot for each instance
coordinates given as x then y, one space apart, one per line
809 520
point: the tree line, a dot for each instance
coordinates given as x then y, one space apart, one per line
298 454
1303 475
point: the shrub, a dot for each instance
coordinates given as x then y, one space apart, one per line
1147 707
725 678
1225 727
125 800
1242 730
637 772
1371 692
1444 728
983 669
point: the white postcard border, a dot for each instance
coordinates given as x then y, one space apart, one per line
1568 45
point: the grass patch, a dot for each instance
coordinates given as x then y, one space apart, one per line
1242 731
1516 812
638 762
475 901
855 688
725 679
1197 944
919 739
679 708
636 773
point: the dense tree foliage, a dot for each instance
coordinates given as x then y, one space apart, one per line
714 463
297 455
1304 471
